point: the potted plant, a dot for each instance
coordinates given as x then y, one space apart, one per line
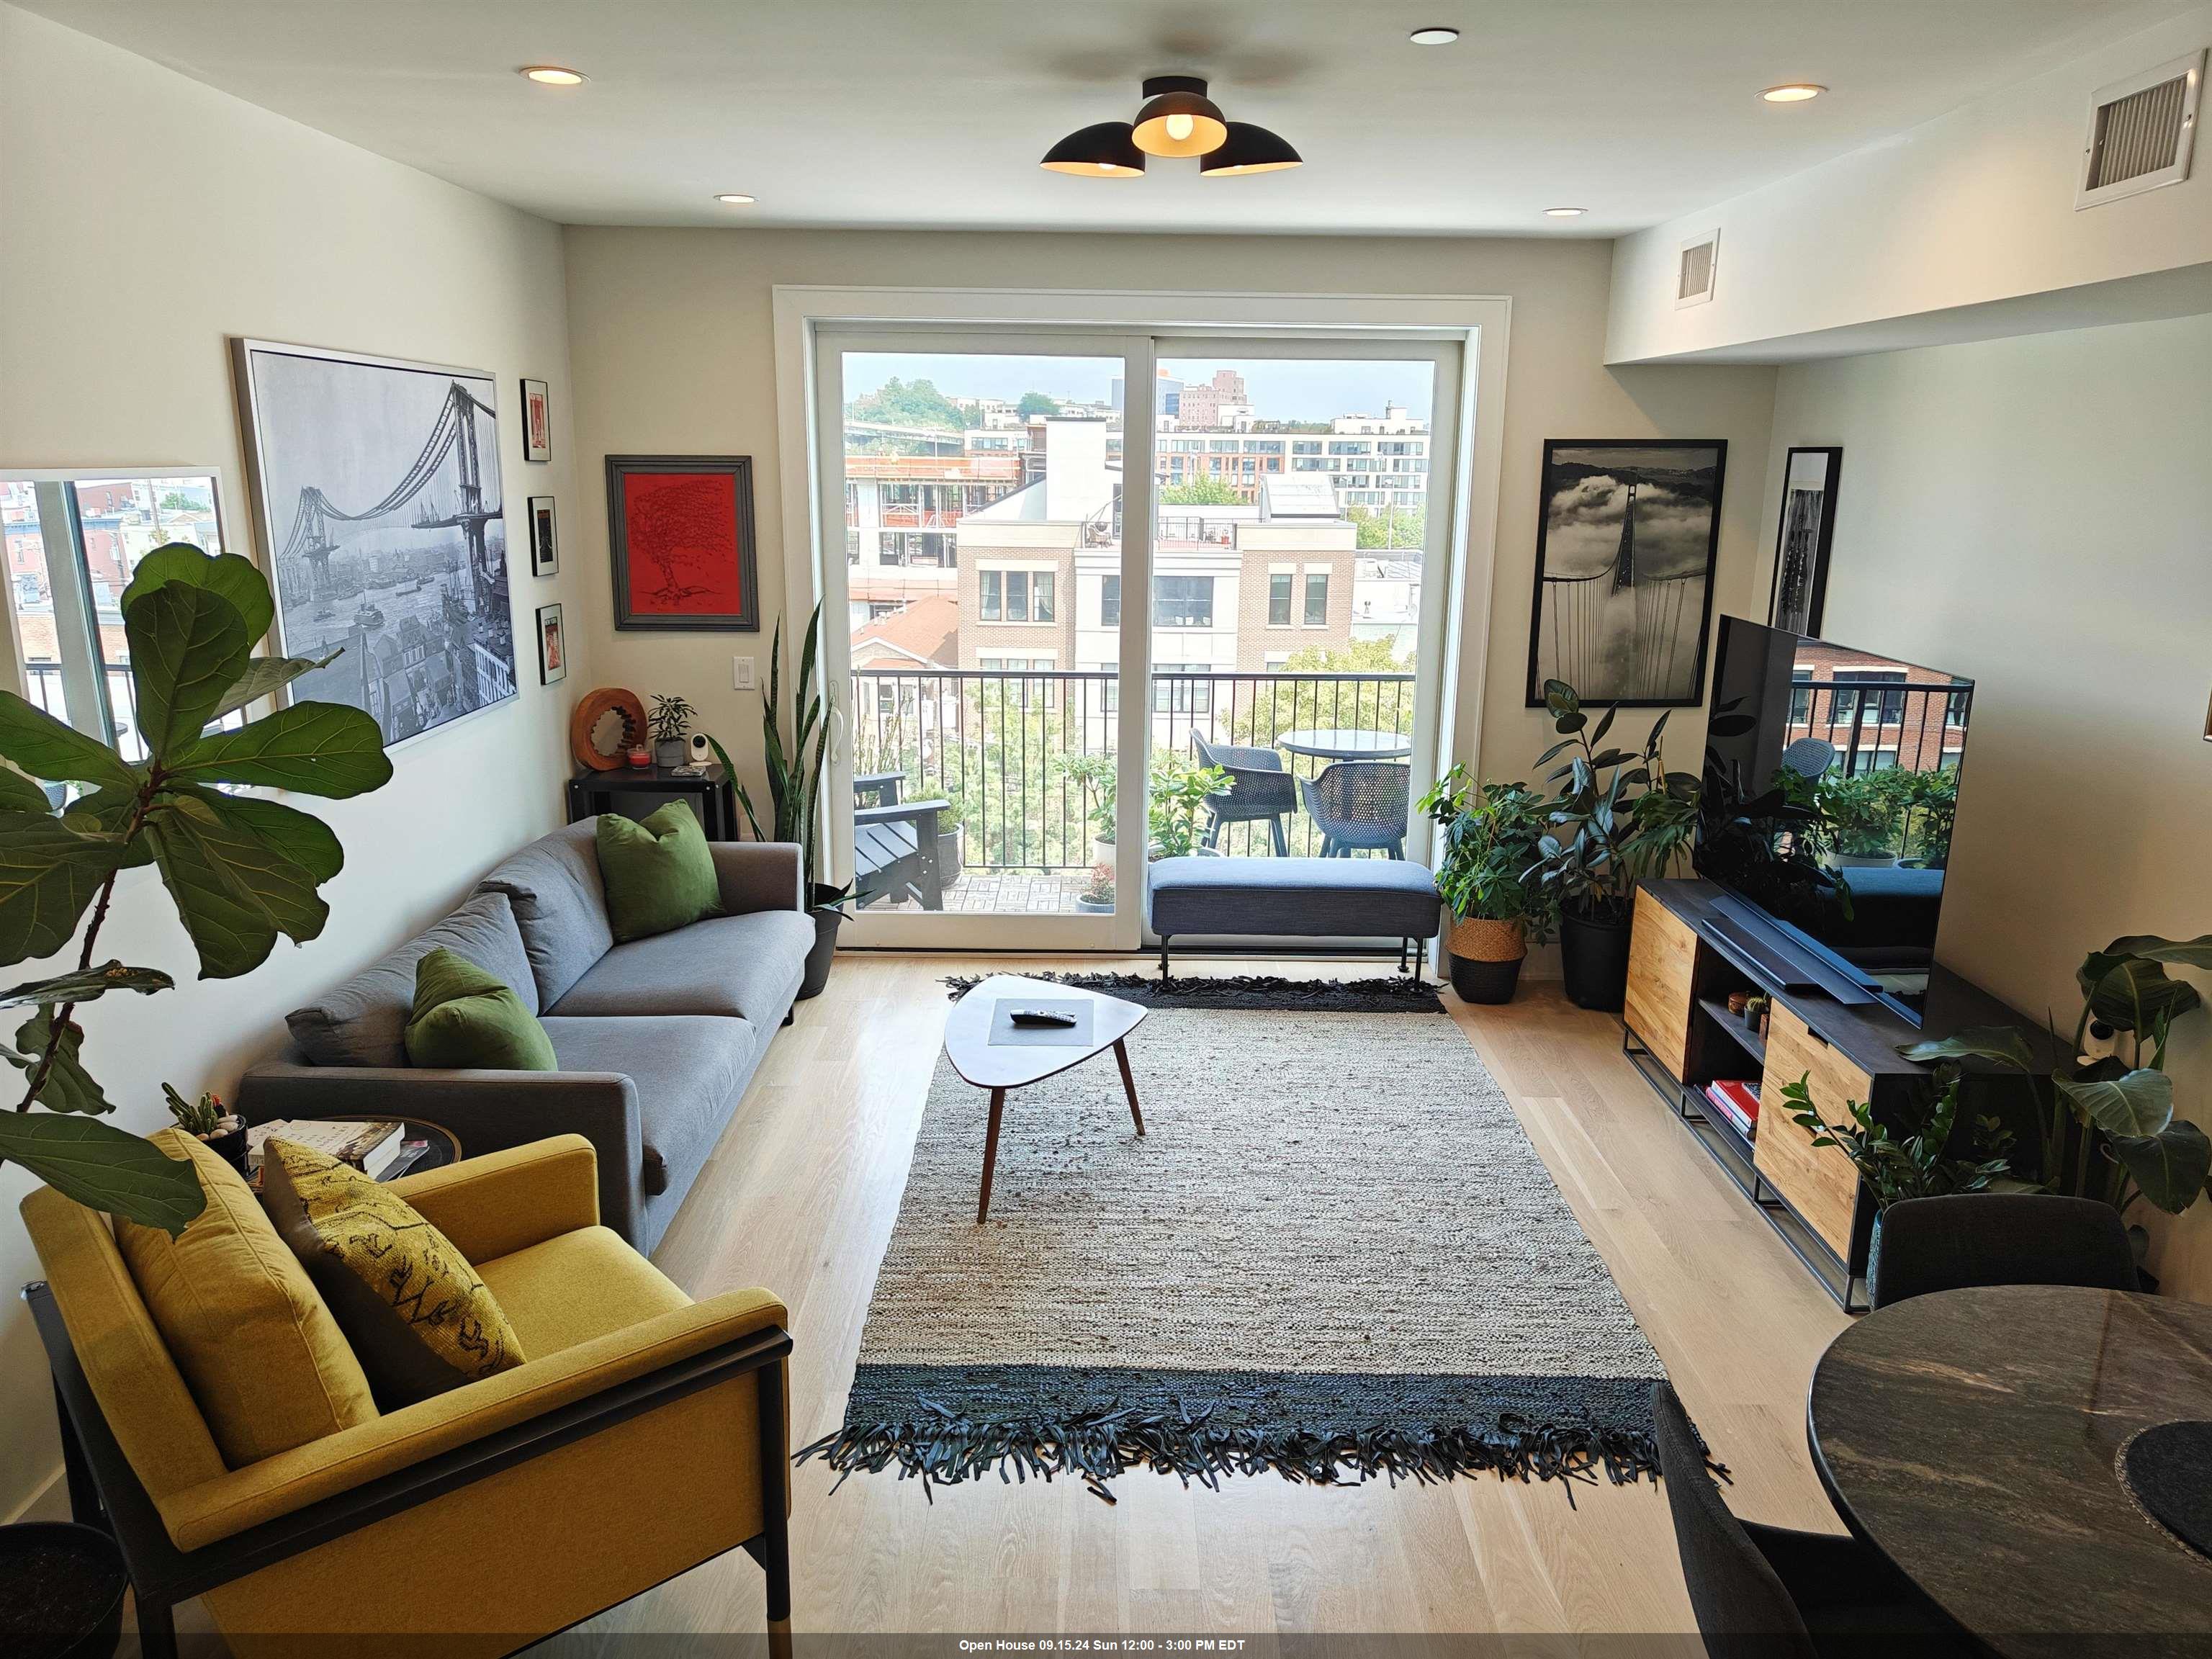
1098 899
208 1120
1178 793
1486 875
61 1591
1096 775
1619 817
794 788
1862 816
670 721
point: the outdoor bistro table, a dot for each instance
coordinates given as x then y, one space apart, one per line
1340 744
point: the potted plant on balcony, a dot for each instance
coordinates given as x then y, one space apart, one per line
1177 795
1862 813
1098 899
1619 817
1487 876
1096 775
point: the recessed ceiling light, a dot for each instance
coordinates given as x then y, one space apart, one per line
1564 213
551 74
1433 36
735 199
1794 92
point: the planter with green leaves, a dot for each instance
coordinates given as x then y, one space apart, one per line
1492 836
1178 793
239 869
794 788
670 723
1095 775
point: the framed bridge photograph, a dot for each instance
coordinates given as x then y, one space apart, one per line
1625 543
376 496
680 533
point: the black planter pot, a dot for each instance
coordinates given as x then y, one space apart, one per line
230 1146
1593 960
1484 982
826 923
61 1592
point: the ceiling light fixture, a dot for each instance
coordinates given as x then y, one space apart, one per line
1433 36
1792 92
1178 119
1564 213
1104 151
550 75
735 199
1248 150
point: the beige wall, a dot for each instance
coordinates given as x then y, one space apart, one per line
2032 513
672 351
144 219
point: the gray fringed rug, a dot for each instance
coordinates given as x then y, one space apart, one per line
1335 1253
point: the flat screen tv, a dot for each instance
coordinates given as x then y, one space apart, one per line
1831 777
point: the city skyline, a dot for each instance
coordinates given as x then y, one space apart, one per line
1282 389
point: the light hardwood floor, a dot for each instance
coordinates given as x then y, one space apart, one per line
800 1196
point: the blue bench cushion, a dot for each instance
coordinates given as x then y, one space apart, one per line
1292 898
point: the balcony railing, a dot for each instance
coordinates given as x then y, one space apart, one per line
998 744
1873 725
45 683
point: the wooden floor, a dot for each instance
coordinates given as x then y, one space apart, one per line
801 1195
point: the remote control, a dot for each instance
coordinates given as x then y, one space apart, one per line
1039 1017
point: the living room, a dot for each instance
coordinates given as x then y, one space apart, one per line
1801 374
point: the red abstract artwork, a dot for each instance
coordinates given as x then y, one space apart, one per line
683 543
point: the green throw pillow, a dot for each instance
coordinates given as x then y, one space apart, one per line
659 873
465 1016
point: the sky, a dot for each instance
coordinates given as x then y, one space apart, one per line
1282 389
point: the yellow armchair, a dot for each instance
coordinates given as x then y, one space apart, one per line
645 1435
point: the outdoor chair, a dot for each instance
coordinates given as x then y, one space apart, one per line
1359 805
894 847
1810 759
1261 790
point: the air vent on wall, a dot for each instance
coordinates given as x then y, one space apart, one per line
2140 132
1693 280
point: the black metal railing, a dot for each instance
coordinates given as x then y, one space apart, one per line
1873 725
44 680
1026 758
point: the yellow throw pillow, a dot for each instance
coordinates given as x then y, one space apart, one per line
263 1356
419 1318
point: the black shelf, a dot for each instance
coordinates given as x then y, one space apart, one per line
1737 1032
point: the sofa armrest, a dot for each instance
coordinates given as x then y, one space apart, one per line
339 1464
488 1111
502 1202
759 875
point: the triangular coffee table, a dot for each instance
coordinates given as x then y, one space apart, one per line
1011 1062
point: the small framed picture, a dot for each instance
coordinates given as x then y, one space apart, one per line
536 422
552 648
545 554
1802 539
680 531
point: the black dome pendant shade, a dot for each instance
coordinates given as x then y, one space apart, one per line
1178 119
1247 149
1104 151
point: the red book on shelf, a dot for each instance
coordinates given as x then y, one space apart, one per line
1738 1101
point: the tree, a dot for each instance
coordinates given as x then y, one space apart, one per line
1034 403
1381 700
1406 527
1202 490
907 403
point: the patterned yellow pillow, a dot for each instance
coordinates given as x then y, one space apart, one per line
419 1319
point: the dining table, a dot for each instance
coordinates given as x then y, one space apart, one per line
1340 743
1984 1441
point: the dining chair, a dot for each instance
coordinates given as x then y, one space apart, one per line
1260 790
1962 1240
1771 1592
1359 805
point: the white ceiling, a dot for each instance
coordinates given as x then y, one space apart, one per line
934 113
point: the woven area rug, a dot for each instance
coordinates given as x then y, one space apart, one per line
1333 1255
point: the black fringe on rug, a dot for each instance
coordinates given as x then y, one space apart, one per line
1397 993
1099 1446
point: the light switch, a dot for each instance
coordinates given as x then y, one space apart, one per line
741 673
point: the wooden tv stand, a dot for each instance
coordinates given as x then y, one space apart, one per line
1681 967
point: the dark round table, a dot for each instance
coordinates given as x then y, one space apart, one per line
1973 1437
1341 743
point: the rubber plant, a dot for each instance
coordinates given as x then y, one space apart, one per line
240 870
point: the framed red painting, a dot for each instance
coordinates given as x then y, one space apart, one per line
680 529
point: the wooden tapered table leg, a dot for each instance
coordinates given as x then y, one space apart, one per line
1129 1082
990 1154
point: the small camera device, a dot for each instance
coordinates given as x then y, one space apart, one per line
702 751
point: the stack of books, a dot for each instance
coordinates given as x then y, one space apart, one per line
1738 1101
373 1148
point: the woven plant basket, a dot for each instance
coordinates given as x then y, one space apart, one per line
1478 940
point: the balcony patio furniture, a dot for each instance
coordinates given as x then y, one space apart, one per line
1338 742
895 845
1810 757
1261 791
1359 805
1291 898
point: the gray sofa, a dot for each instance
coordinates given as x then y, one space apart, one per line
656 1038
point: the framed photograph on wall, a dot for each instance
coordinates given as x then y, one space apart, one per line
536 422
545 553
552 647
1802 540
376 495
1626 542
680 534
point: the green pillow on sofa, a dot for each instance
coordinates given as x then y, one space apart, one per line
657 872
465 1016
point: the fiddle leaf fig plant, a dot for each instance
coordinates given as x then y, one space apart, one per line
240 870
